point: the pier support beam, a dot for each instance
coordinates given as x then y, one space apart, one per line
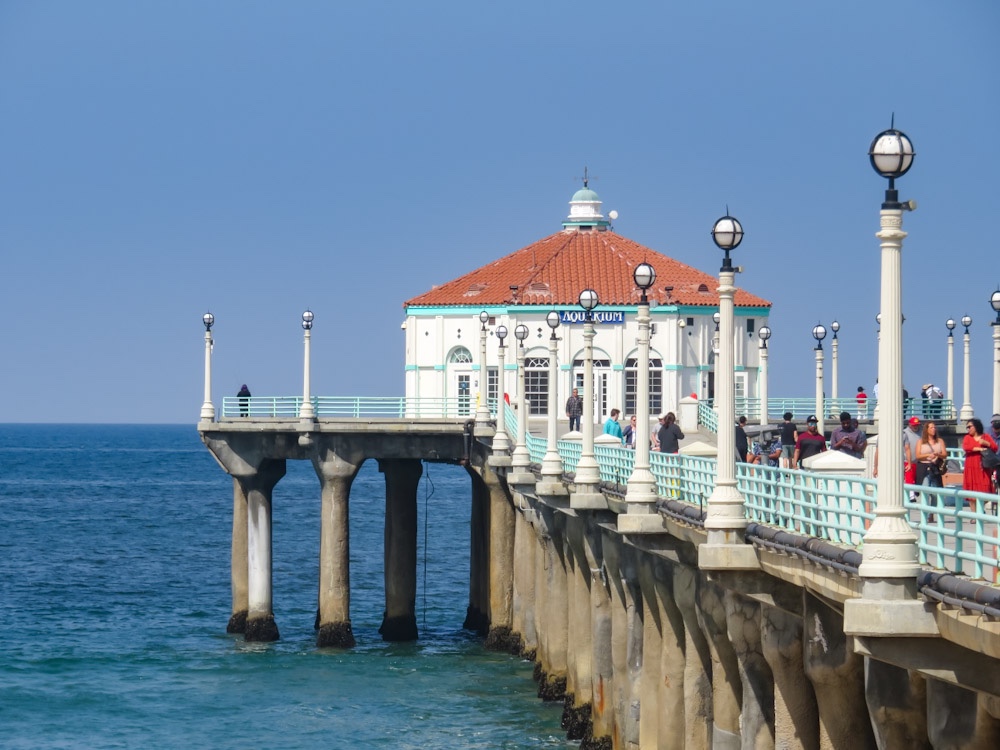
727 692
260 625
552 644
238 562
336 475
837 677
757 715
523 603
796 718
698 664
579 678
501 568
477 616
402 477
897 703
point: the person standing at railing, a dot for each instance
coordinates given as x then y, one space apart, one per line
244 397
809 444
931 457
862 399
611 426
574 410
669 434
977 478
629 433
789 436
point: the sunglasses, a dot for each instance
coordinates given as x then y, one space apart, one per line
812 421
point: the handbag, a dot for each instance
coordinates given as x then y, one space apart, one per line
990 459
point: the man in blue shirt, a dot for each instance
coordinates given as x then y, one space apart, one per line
611 427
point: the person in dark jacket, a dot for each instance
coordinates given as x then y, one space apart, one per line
244 397
669 435
742 444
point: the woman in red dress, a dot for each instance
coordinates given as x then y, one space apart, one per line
975 478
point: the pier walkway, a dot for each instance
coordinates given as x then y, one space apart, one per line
644 643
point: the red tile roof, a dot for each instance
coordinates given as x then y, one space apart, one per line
554 270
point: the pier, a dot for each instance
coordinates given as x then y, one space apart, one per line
647 641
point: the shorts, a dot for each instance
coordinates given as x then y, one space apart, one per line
787 451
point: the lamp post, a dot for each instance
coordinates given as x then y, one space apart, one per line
950 325
640 494
995 304
521 460
878 343
306 411
763 333
890 549
588 473
966 412
819 333
207 408
725 520
500 440
552 468
715 362
834 326
483 411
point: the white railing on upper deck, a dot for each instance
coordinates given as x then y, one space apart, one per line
351 407
832 407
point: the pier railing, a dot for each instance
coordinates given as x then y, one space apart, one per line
352 407
832 407
957 530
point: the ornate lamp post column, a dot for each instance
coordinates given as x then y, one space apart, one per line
552 468
966 412
207 408
878 342
483 411
715 364
500 440
819 333
640 494
725 519
950 325
995 304
763 333
588 474
834 326
521 460
890 549
306 412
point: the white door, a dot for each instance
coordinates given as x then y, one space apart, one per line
599 393
462 391
740 391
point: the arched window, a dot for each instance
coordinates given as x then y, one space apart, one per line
460 355
655 385
536 385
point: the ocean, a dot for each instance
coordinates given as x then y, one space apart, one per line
114 586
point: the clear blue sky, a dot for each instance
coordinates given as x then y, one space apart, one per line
256 158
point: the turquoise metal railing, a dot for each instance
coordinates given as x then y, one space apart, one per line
956 530
356 407
832 407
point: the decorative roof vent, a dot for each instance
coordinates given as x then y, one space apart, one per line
703 288
474 289
538 287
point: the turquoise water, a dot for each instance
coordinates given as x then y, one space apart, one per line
114 585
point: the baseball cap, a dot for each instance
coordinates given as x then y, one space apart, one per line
811 418
913 421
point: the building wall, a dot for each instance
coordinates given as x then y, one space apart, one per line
443 350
